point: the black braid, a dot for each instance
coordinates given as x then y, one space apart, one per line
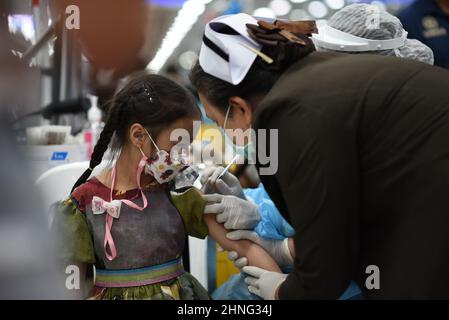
103 142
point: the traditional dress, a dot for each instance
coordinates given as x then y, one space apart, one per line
148 243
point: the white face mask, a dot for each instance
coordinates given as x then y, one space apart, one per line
163 168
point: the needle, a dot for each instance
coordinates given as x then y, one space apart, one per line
228 167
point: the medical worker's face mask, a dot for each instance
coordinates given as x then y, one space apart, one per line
243 151
162 167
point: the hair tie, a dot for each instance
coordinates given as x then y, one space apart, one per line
90 169
272 34
283 42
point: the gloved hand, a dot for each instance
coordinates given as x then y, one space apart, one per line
234 212
238 262
278 249
262 282
227 185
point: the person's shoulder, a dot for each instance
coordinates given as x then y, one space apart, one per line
298 81
309 83
371 64
321 63
316 58
329 71
84 193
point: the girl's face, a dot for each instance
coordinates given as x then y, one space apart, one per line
182 126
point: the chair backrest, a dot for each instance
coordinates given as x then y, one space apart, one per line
56 183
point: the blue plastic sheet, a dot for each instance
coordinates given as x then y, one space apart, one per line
272 226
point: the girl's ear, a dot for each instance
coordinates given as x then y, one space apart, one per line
137 135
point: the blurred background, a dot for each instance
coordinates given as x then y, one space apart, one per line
54 85
118 37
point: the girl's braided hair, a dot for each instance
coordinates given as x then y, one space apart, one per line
151 100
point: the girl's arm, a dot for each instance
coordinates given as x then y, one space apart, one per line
291 247
256 255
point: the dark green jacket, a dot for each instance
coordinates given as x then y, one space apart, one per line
363 174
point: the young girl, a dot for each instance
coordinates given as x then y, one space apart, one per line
126 221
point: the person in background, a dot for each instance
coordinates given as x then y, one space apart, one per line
428 21
364 28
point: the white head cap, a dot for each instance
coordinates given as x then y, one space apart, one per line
228 51
367 28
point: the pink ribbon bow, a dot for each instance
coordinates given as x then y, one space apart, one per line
112 208
100 206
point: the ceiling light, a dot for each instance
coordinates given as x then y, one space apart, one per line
335 4
187 16
264 13
317 9
280 7
299 14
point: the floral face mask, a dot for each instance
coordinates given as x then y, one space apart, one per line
162 167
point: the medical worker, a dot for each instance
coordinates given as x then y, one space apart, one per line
363 158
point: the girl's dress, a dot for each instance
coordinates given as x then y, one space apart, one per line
149 243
